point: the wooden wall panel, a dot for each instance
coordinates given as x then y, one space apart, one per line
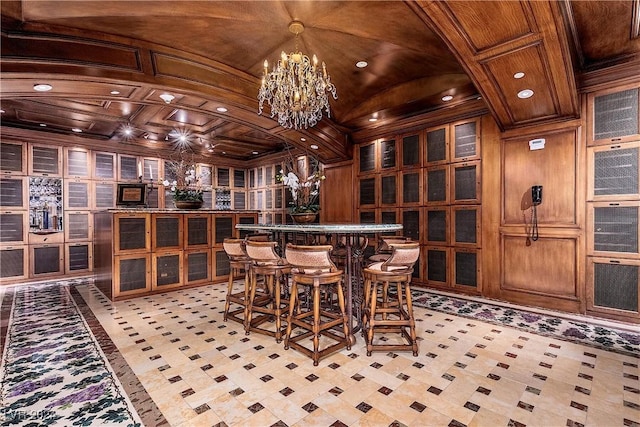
337 194
547 267
554 167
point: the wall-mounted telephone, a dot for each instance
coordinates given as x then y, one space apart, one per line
536 195
536 199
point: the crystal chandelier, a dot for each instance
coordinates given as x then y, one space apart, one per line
297 90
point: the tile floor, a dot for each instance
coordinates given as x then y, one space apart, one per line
201 371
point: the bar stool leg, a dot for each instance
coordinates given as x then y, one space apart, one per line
293 303
412 320
343 311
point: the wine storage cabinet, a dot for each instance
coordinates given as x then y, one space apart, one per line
146 252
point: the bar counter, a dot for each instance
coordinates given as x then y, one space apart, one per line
142 251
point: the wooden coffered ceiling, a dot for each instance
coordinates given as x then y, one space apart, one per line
109 61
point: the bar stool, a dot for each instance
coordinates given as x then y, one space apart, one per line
384 313
268 266
239 264
383 250
312 267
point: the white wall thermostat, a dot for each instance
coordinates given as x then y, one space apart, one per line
536 144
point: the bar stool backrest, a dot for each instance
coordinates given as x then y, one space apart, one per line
234 249
310 259
258 237
403 256
263 253
385 242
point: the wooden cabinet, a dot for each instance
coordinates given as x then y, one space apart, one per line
104 166
411 151
613 115
78 226
613 229
613 172
613 203
77 163
14 192
45 160
14 227
132 233
166 232
46 260
612 288
78 257
131 275
429 181
167 270
140 253
13 158
15 263
78 194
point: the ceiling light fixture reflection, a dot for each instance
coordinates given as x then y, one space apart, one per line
76 130
221 110
115 92
525 93
42 87
297 89
447 98
361 64
373 119
44 125
314 147
518 75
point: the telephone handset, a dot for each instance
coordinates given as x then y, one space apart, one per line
536 199
536 195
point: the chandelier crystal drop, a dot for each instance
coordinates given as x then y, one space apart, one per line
297 89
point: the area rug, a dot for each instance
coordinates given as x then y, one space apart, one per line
53 371
608 338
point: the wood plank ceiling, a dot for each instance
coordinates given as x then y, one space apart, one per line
108 64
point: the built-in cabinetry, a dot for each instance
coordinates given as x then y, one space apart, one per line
429 181
49 194
613 204
146 251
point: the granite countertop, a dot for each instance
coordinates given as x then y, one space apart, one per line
323 228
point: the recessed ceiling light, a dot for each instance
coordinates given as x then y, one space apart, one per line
115 92
42 87
127 131
447 98
44 125
314 147
224 152
361 64
303 139
2 111
77 130
373 119
254 152
221 110
525 93
518 75
167 98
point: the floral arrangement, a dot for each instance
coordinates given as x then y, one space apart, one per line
186 184
304 189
